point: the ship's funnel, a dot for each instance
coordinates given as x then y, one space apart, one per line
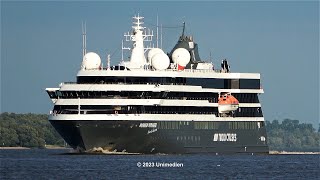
187 43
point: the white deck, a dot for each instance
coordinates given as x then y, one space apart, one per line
188 73
150 87
149 117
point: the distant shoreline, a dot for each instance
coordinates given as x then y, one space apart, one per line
56 147
14 148
60 147
22 148
293 152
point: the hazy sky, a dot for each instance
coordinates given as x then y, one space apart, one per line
41 46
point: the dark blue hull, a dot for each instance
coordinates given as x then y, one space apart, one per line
165 136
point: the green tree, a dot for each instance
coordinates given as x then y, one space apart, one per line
290 135
8 137
30 130
29 137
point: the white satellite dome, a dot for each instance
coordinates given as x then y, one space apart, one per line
91 61
152 52
181 56
160 61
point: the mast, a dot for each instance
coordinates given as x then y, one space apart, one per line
138 36
157 32
84 39
184 26
137 54
122 50
161 37
108 61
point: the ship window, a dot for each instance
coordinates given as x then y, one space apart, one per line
234 83
58 93
216 125
206 82
253 125
227 83
249 83
52 94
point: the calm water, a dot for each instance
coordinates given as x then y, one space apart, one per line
53 164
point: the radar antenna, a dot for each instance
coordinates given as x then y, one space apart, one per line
137 36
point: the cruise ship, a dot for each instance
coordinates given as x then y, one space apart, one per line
157 102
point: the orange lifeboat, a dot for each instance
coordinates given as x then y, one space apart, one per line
227 103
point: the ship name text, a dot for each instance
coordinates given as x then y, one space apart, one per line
148 125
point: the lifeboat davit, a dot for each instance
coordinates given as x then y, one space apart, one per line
227 103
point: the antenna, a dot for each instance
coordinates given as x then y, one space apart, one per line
161 36
108 61
84 39
157 31
184 26
122 50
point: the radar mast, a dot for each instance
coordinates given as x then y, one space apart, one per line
137 36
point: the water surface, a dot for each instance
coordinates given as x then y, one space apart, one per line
54 164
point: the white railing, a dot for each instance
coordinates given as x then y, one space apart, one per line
166 70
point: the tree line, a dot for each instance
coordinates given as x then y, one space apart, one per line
27 130
291 135
34 130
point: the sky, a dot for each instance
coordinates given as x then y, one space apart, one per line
41 46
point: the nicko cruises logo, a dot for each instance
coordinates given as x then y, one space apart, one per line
225 137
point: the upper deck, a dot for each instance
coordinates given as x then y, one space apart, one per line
205 78
186 73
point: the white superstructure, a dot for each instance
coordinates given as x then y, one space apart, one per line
158 99
104 80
